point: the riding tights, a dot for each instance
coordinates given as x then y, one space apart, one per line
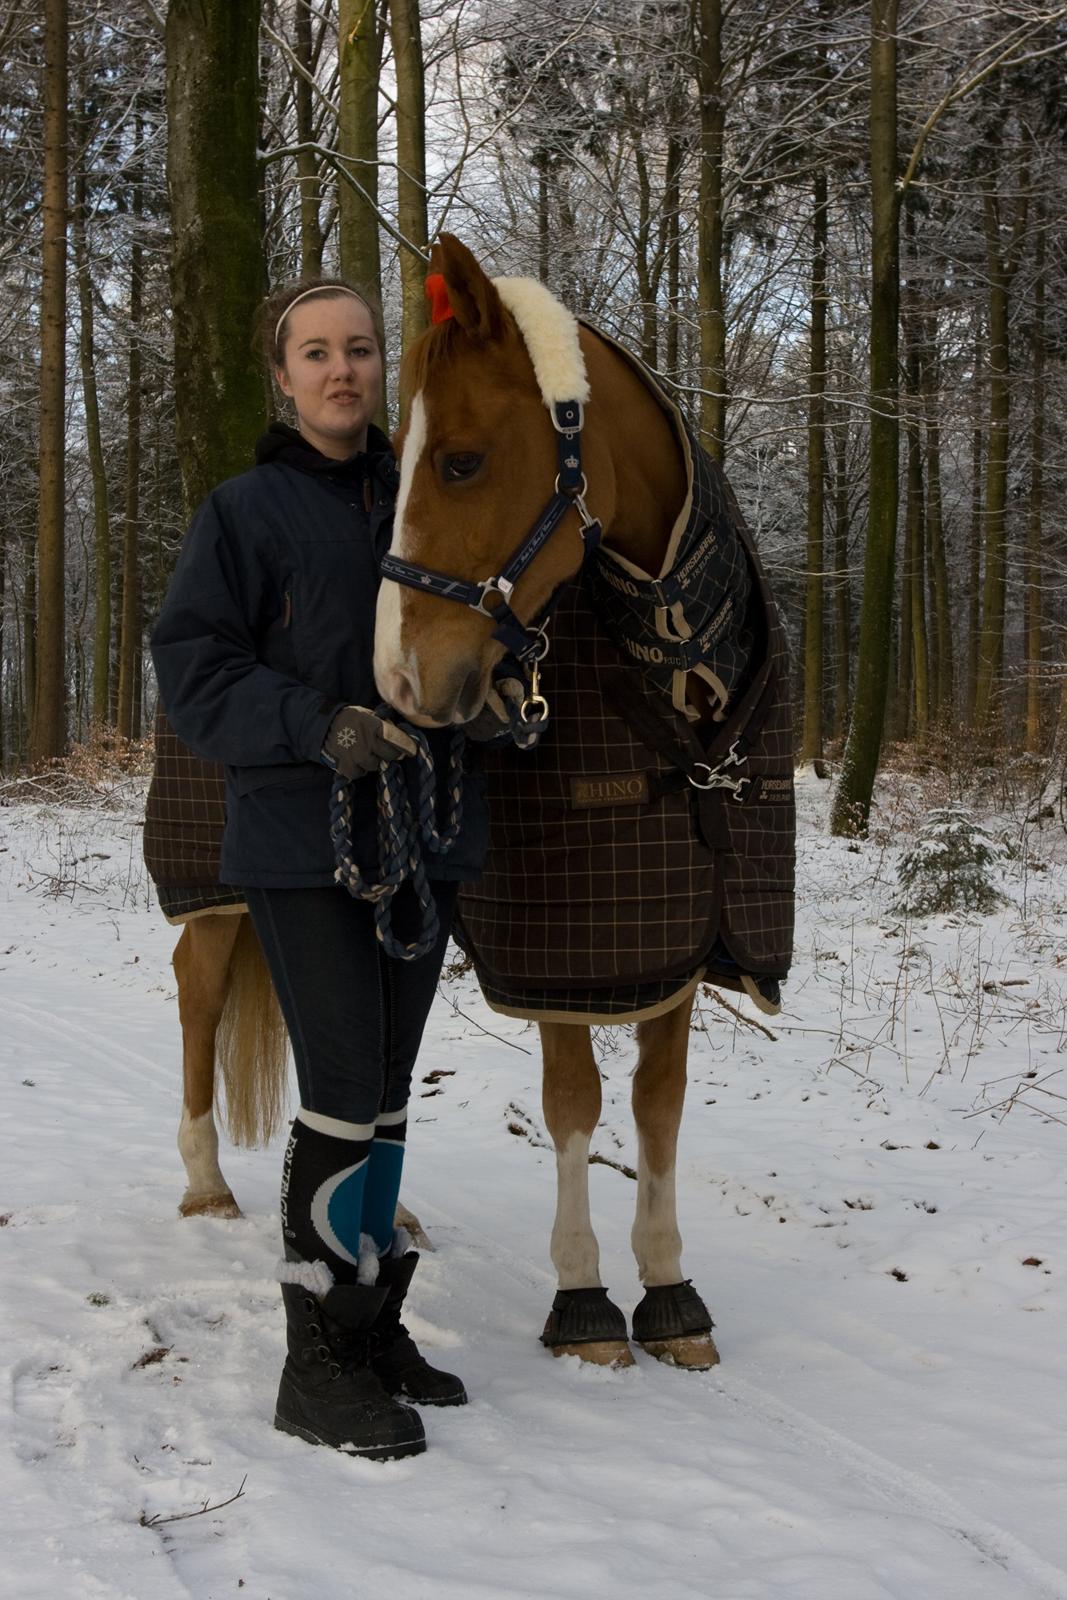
355 1018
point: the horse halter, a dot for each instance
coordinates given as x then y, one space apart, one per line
492 597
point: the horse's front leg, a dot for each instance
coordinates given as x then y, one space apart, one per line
583 1322
672 1321
202 968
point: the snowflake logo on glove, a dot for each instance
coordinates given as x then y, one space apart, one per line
346 738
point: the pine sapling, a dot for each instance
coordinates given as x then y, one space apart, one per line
950 867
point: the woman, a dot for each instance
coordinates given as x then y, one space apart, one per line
263 653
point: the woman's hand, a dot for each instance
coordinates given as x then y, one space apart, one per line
357 742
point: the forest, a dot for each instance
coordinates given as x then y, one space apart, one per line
833 230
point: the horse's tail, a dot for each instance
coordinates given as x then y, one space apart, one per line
251 1045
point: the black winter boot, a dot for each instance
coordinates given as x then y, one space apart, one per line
394 1355
328 1393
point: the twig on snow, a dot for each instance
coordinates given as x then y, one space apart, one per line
156 1520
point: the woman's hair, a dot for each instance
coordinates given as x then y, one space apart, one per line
272 325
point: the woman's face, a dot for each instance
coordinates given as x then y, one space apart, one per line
332 372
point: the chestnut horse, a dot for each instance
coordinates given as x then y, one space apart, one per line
478 458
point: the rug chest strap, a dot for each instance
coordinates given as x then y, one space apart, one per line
691 763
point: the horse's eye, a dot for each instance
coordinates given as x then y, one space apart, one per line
464 464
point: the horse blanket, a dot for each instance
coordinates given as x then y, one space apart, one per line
613 885
184 818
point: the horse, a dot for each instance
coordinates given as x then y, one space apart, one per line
484 436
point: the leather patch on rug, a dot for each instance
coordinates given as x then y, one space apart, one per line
593 790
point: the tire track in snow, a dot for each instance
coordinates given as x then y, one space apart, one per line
69 1033
903 1490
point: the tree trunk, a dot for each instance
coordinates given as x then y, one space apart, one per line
672 206
812 740
916 578
406 31
100 710
930 379
359 59
974 593
1001 266
646 289
852 803
360 37
1035 522
48 728
213 180
842 586
710 245
307 166
130 633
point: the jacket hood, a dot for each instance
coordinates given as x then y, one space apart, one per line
284 444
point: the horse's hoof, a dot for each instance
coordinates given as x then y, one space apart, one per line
404 1218
599 1352
694 1351
222 1204
673 1324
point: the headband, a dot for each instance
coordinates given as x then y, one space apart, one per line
320 288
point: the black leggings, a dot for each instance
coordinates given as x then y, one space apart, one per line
355 1015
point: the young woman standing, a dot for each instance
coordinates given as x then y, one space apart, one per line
263 651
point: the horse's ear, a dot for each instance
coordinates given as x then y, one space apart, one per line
472 296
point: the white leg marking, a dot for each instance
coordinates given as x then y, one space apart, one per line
656 1242
575 1254
198 1146
394 673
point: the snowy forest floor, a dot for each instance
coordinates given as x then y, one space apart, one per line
872 1195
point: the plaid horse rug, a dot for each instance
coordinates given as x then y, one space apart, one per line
184 817
613 884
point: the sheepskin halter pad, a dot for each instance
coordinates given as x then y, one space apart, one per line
550 334
688 616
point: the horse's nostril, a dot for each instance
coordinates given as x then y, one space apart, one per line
469 697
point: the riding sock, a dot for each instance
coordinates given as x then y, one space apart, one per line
324 1174
384 1167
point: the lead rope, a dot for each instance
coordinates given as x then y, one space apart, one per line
402 839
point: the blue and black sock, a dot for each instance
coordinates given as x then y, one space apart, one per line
384 1169
324 1177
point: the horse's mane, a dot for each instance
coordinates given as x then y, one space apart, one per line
433 350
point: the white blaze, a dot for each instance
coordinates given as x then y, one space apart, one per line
389 659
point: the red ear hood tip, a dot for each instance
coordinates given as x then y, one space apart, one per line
437 295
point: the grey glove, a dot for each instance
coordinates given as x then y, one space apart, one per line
357 742
494 720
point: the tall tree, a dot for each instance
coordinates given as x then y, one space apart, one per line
311 239
1004 240
710 257
360 38
48 728
815 583
213 181
127 718
406 32
100 710
852 801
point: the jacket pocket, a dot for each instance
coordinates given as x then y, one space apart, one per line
294 775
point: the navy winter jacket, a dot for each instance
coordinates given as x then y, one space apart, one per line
267 630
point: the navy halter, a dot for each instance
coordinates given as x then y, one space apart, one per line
492 597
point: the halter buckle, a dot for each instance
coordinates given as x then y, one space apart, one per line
493 586
717 778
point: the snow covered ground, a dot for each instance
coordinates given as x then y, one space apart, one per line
872 1194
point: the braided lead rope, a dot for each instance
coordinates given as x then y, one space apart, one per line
401 838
